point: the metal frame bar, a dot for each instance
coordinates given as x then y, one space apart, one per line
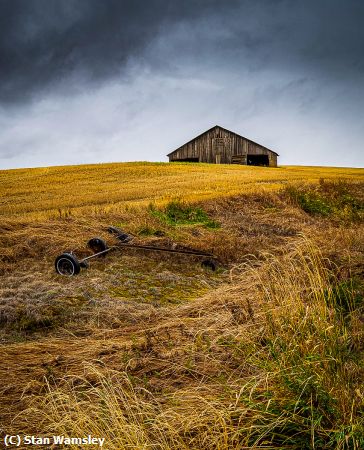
148 247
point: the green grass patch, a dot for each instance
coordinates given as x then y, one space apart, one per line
178 212
335 199
346 296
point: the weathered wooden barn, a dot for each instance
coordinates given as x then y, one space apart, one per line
220 146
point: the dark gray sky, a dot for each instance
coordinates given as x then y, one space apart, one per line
85 81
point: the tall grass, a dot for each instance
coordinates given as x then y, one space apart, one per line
312 364
295 381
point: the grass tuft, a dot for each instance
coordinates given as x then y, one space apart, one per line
338 199
179 212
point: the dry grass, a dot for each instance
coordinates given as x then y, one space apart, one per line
158 353
282 372
33 298
53 192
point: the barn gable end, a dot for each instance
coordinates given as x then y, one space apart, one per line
221 146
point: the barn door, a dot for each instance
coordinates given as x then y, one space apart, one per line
218 149
221 148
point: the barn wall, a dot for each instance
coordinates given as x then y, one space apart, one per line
272 159
223 147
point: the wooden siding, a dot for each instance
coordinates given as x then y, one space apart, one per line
221 146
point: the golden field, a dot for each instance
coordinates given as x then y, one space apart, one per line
55 191
152 351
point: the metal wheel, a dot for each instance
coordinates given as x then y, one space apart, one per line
97 245
67 265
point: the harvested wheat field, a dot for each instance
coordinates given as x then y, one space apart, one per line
150 350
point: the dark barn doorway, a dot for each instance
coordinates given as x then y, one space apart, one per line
186 160
258 160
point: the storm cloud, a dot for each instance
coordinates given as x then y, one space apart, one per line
89 81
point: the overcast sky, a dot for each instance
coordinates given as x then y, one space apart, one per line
87 81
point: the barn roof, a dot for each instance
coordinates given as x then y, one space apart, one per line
221 128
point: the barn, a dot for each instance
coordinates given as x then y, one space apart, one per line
221 146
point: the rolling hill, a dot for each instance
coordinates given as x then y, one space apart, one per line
154 351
